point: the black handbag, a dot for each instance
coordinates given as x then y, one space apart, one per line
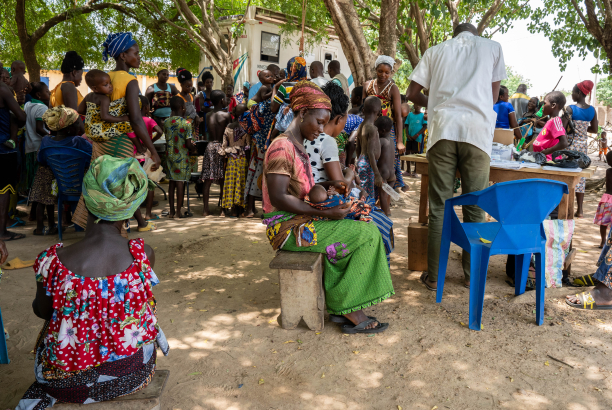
570 159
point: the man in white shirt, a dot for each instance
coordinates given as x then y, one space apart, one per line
463 76
317 74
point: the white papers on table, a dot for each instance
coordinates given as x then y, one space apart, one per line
549 168
506 164
527 164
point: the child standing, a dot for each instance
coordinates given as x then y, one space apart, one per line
603 216
368 147
235 141
603 146
386 161
552 137
179 138
35 131
212 165
105 120
416 127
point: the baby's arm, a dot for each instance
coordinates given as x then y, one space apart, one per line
373 148
105 115
82 108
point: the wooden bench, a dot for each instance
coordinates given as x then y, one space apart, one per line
301 288
145 399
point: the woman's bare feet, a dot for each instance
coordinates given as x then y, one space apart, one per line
358 317
602 295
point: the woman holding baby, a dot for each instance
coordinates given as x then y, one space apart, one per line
356 272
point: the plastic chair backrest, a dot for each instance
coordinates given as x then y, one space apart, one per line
68 166
523 202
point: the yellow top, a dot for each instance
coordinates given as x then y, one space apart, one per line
120 80
57 98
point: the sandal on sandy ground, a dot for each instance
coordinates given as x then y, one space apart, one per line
587 303
424 277
13 236
343 320
361 328
150 227
586 280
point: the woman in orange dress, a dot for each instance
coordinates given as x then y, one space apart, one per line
66 93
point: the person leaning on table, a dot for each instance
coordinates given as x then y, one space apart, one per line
463 76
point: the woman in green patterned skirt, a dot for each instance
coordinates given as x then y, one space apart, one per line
356 275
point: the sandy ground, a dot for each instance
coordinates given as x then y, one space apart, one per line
218 302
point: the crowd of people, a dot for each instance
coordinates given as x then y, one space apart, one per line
321 158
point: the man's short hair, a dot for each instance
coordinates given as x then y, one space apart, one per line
465 27
522 88
176 103
334 65
217 96
557 97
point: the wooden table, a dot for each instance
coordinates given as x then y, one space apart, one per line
566 206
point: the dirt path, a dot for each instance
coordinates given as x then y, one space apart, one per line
218 302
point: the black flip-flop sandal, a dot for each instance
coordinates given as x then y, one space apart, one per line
14 236
343 320
361 328
587 303
424 277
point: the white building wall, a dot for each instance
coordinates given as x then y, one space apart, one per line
250 43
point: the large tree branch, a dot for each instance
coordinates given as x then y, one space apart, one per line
371 16
594 26
489 15
454 13
90 7
582 17
509 14
421 33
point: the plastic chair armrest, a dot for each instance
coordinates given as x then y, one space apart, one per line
465 199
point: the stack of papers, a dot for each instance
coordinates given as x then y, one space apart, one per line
506 164
549 168
527 164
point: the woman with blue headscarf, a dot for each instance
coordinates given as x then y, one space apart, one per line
124 50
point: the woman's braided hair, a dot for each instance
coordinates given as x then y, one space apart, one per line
339 100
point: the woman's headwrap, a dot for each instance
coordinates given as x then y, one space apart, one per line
72 61
247 85
306 94
58 118
114 188
183 75
296 69
390 61
116 44
585 87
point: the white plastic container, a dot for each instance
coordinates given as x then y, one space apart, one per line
390 191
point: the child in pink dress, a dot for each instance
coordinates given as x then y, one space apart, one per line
603 216
552 137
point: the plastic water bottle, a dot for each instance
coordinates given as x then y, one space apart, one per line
394 195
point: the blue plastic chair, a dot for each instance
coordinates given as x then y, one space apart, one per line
3 350
519 207
68 166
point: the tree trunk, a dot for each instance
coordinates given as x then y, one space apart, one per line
387 36
28 49
352 38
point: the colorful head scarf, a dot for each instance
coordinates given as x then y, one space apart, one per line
585 87
58 118
116 44
114 188
390 61
296 69
306 94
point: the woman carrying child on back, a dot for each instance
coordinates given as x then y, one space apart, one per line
105 120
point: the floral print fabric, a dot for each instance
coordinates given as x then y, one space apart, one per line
580 144
97 320
178 131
